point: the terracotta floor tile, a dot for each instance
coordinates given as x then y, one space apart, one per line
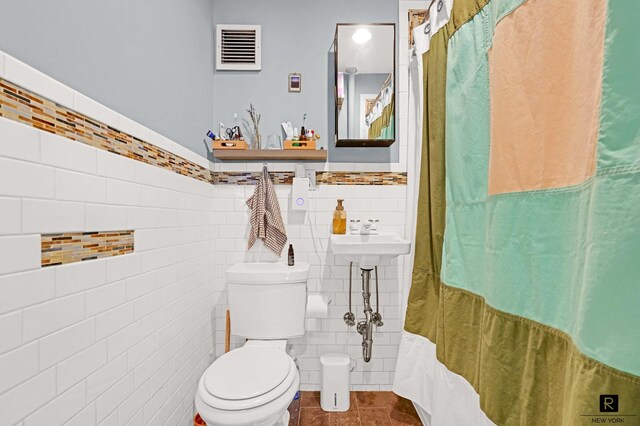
374 417
353 403
404 413
403 404
372 399
393 398
294 412
367 408
398 418
310 399
347 418
405 422
314 417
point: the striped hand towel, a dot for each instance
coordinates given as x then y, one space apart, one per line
266 219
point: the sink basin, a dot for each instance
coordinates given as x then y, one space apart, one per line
368 251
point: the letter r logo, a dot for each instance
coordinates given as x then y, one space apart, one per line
608 403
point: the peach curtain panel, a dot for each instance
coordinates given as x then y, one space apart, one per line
546 78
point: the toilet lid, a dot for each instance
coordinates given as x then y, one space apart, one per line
247 372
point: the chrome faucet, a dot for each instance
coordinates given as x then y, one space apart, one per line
370 227
365 229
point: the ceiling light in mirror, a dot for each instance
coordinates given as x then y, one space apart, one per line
362 36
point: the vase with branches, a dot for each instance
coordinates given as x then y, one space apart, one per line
255 120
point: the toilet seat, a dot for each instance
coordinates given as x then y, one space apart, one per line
247 377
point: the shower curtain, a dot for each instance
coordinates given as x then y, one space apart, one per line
524 307
383 127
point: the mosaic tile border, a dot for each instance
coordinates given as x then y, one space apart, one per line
250 178
29 108
327 178
70 247
25 106
362 178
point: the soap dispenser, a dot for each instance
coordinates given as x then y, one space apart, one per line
339 219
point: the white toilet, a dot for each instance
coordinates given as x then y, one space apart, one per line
254 384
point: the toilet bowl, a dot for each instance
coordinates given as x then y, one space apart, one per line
252 385
255 384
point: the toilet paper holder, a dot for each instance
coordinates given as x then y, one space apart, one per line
317 306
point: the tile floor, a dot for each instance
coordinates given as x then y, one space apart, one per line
367 408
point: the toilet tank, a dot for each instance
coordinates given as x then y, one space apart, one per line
267 300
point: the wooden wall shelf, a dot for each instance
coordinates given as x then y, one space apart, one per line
270 154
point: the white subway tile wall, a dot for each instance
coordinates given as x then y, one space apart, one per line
26 76
104 340
309 234
124 340
19 253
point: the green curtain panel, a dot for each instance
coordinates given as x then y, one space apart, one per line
383 127
531 290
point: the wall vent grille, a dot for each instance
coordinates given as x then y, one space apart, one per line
238 47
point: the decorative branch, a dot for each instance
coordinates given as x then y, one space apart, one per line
255 118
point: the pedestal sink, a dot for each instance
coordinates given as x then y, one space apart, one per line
369 250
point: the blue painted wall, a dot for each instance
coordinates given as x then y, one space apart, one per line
149 60
296 37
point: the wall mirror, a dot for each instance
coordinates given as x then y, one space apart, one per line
365 85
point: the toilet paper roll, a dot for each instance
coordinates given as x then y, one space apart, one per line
317 306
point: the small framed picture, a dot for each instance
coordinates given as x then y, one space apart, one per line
295 82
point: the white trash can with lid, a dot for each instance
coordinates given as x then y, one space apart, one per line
334 392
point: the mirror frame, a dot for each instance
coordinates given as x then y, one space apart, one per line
362 143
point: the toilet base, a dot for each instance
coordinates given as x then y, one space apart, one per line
284 421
